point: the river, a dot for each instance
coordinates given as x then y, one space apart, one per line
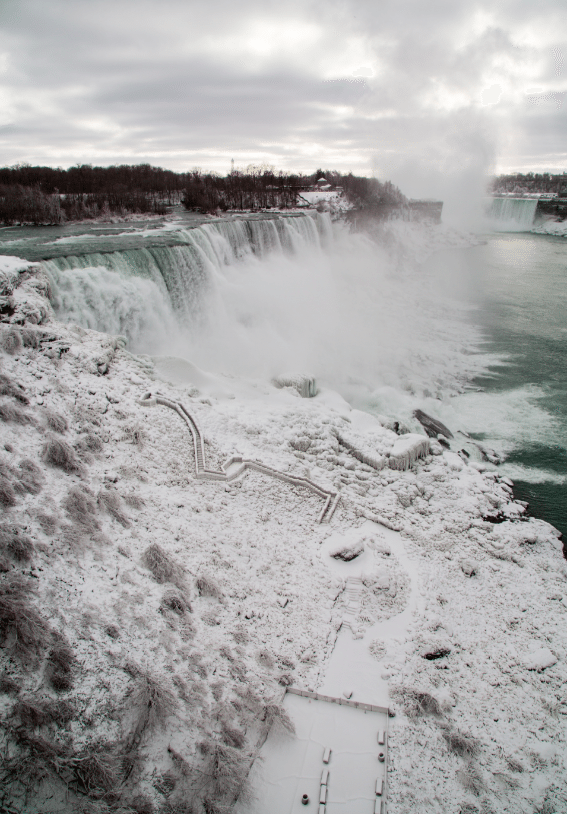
517 284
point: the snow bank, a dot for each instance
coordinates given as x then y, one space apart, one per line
540 659
551 227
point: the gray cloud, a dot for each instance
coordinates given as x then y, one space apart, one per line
400 87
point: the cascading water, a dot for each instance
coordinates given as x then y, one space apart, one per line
511 214
260 296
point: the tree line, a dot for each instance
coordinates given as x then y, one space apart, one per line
54 195
530 182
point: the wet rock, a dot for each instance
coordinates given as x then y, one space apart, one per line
432 426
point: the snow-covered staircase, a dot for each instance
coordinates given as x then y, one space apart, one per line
352 592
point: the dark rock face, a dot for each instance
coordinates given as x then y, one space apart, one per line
431 426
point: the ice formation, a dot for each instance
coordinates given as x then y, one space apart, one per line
406 450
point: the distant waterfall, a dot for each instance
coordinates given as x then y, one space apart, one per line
512 214
169 279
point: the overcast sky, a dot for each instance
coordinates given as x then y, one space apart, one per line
412 90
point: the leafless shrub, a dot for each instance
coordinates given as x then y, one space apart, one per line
509 780
277 716
16 543
24 770
224 775
56 422
89 443
11 341
265 658
179 805
24 633
470 778
141 804
9 387
36 712
163 568
237 670
110 500
136 435
112 631
62 455
460 744
232 737
47 522
8 686
515 765
165 783
152 701
31 337
31 476
8 497
250 699
60 666
207 587
134 501
415 702
173 601
285 680
97 770
15 413
81 509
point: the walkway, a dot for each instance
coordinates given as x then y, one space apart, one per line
236 466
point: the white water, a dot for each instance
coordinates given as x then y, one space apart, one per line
260 297
511 214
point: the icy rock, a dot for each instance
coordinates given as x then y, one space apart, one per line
540 659
306 386
435 448
469 567
301 444
407 449
348 551
371 459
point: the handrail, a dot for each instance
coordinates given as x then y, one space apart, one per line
201 471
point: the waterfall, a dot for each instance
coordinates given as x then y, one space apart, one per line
122 291
511 214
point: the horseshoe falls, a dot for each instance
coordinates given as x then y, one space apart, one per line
511 214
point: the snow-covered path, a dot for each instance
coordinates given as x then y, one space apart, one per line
292 766
352 668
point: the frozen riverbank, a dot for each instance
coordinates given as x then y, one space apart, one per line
152 590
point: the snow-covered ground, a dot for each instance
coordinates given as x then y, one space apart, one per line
551 227
150 621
